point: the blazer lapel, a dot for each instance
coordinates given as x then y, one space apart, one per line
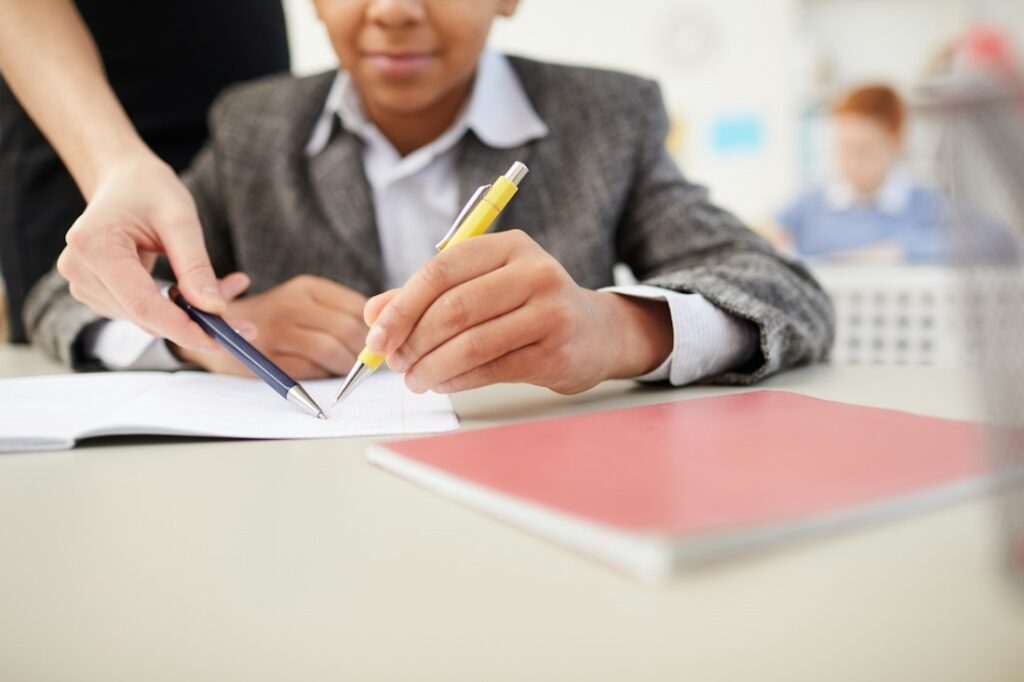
340 184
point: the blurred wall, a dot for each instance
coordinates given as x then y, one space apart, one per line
892 40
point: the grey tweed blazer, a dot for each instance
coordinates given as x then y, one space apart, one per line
602 190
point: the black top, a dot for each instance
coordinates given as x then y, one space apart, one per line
166 61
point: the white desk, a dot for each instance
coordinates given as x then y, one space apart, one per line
299 561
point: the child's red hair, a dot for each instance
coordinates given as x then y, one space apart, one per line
878 102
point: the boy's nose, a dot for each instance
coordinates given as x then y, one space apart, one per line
396 13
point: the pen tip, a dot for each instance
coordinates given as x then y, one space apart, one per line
321 415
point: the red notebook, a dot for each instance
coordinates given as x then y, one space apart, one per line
648 489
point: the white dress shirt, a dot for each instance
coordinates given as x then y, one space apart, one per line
891 198
416 199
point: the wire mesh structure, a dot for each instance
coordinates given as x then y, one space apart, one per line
897 315
981 165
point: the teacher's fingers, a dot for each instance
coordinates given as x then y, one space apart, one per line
182 239
85 287
139 300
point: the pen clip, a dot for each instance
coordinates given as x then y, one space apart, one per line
470 205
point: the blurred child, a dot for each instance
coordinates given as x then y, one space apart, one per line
872 211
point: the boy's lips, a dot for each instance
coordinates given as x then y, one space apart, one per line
399 63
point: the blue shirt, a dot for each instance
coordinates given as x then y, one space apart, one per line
824 223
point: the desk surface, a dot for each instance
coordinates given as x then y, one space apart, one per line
259 561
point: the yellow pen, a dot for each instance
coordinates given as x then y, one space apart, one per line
476 218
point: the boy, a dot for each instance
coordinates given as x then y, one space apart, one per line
327 189
871 212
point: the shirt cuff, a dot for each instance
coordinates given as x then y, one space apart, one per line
121 345
706 339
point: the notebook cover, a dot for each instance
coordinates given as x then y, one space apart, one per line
711 464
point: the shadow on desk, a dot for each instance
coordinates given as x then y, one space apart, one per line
126 442
522 402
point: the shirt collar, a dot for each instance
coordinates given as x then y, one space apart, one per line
498 111
891 198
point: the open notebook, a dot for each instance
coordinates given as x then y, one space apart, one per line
649 489
53 412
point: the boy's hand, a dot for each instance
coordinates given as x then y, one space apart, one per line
310 327
498 308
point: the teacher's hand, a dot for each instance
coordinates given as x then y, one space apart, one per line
140 210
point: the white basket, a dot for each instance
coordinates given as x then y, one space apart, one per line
900 315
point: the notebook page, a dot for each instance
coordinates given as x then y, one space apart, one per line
201 404
44 413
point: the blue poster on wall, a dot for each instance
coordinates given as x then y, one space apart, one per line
737 134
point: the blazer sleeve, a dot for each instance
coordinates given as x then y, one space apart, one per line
673 237
56 323
54 320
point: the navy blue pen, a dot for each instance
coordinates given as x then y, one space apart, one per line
274 376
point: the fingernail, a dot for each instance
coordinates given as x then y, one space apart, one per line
238 286
413 384
211 296
248 331
443 388
398 362
377 338
209 348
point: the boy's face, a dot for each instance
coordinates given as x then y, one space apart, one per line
866 151
405 56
